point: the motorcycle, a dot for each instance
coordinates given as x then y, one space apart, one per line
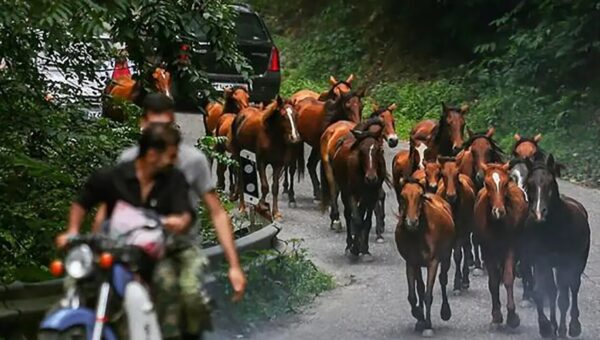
113 267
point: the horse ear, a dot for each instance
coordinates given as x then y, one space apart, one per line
332 80
464 109
361 93
470 132
350 79
537 138
506 166
269 110
392 107
517 137
445 107
358 133
490 132
550 163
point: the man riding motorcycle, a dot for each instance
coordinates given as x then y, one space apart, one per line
180 300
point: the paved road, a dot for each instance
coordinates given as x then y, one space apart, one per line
370 300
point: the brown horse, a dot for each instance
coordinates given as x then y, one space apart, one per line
500 210
329 140
424 238
236 98
223 129
337 88
128 89
358 172
406 162
526 147
272 134
429 176
445 136
459 191
557 237
315 116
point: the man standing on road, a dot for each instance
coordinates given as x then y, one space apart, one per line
181 270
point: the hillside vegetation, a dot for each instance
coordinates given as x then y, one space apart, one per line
522 66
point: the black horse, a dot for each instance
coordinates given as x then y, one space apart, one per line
557 237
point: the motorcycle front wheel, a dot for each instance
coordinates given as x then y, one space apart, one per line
73 333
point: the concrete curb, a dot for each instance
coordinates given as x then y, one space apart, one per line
22 305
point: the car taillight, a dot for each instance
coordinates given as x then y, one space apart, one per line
274 61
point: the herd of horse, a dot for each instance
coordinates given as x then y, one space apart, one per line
459 196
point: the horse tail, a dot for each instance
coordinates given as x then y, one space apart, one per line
300 164
237 122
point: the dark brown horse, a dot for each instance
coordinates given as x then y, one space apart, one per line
273 135
459 191
358 172
315 116
557 237
235 99
445 136
337 88
500 211
424 238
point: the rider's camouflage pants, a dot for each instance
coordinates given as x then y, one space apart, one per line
180 299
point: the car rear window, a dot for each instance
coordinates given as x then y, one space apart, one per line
249 27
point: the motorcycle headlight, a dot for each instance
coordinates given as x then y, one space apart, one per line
79 261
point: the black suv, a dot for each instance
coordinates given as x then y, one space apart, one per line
256 44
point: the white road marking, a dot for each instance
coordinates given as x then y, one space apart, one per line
294 130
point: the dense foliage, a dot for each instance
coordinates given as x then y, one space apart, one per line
48 146
523 66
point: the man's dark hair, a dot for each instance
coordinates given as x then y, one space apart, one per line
157 102
158 137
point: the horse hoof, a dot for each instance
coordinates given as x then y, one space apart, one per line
367 257
546 329
292 205
525 304
477 272
445 312
512 320
420 326
428 333
379 239
278 216
574 328
456 292
465 285
336 225
316 200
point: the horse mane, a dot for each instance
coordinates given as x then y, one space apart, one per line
515 161
497 152
378 112
230 105
442 124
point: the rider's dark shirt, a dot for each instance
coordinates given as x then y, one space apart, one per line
169 195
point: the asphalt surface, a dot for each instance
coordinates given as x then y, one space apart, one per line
370 301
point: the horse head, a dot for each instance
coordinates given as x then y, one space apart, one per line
432 175
542 187
496 181
236 99
412 197
526 147
452 123
484 150
283 118
338 87
162 81
450 176
368 136
386 114
519 171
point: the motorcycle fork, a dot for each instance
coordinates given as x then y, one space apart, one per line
101 307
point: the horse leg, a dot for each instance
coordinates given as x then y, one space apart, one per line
543 274
494 288
575 282
357 225
432 269
380 216
508 278
311 165
563 300
291 171
457 255
416 310
221 168
286 183
233 183
466 249
275 191
552 293
348 217
478 271
527 277
264 183
445 312
329 182
366 230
